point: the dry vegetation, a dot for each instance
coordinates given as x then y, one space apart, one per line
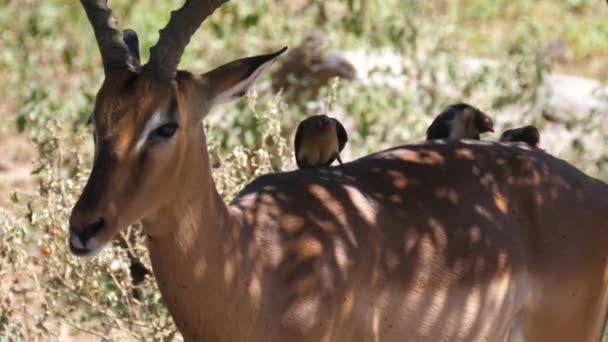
50 69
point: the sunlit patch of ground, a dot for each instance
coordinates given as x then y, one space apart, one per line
16 164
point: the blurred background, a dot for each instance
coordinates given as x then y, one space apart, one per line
398 62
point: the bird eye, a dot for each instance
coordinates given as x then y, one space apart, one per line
162 133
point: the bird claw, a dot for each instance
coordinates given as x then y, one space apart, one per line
341 164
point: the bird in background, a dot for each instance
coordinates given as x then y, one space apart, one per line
307 67
528 134
459 121
318 141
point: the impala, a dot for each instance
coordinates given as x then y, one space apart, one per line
436 241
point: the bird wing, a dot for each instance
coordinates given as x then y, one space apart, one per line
342 139
441 125
342 135
297 142
439 129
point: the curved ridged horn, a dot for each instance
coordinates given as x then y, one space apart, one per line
166 54
113 50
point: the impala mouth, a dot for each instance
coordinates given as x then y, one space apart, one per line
77 250
91 248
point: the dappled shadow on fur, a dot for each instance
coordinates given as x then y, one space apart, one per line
430 237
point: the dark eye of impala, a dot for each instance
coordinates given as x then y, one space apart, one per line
162 133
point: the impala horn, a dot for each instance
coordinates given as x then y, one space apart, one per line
114 52
166 54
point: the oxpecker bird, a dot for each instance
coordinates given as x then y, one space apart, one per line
459 121
319 140
528 134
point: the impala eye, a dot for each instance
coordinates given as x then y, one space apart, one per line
162 133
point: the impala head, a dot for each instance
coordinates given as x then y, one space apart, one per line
146 121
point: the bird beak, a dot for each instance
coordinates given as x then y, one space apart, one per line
488 125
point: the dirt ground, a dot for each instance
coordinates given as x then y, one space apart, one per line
17 154
23 292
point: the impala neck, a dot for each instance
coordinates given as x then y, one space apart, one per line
186 240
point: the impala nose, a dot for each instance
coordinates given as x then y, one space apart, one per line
81 236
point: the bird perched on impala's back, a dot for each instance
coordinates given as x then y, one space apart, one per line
459 121
528 134
319 140
308 67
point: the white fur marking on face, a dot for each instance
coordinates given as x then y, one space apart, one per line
92 245
76 242
95 136
242 87
153 122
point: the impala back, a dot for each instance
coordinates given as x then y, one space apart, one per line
454 241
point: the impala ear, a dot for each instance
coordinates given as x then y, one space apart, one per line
232 80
